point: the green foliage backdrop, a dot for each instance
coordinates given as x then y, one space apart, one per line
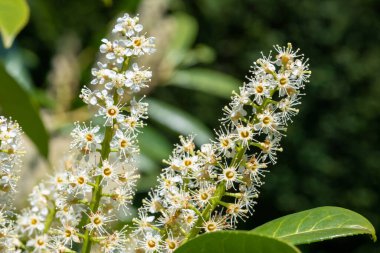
331 155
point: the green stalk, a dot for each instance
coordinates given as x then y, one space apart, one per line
50 218
219 193
97 189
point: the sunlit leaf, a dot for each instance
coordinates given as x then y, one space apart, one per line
178 120
208 81
318 224
14 15
15 102
235 242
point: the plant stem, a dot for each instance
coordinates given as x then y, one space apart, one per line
97 189
50 218
219 193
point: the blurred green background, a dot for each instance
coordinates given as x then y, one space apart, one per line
205 47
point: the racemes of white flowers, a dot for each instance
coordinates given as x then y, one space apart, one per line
11 150
96 182
199 191
215 187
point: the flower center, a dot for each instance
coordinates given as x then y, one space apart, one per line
187 162
230 174
244 134
204 196
259 89
67 233
113 111
151 244
225 142
171 245
33 221
40 242
211 227
137 42
189 219
107 172
97 221
80 180
266 120
89 137
283 81
123 143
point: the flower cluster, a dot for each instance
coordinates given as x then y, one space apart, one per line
95 185
199 191
10 152
214 187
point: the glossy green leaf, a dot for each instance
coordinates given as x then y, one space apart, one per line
178 120
235 242
318 224
14 15
15 102
208 81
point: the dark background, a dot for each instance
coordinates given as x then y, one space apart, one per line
331 153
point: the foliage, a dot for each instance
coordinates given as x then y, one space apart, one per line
16 102
325 145
14 15
316 225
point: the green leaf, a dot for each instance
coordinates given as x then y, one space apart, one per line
318 224
236 242
208 81
149 171
186 29
14 15
153 144
15 102
178 120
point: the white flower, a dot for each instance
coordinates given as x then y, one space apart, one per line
139 45
101 74
137 79
40 243
268 122
115 242
98 222
109 172
225 143
255 167
127 25
260 89
150 242
85 137
111 113
230 176
29 222
123 198
125 143
244 134
217 222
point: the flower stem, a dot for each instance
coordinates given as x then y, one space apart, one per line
50 218
219 193
97 189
